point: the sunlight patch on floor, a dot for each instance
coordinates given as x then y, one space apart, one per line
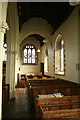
20 90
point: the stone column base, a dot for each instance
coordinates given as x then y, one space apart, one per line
12 94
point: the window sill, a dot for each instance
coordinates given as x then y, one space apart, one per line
30 64
59 73
46 73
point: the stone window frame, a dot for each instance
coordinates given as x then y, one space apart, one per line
57 52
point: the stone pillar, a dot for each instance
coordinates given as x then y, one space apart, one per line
3 27
10 72
10 63
12 41
16 68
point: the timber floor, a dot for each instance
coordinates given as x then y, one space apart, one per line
19 108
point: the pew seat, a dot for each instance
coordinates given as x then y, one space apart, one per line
57 103
65 107
66 113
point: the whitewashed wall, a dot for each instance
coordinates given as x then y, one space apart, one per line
69 30
34 26
29 69
79 45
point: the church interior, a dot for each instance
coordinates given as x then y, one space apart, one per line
40 60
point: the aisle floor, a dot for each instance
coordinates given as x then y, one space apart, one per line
20 107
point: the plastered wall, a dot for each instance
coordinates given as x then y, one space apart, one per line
69 30
29 69
33 26
50 58
79 45
36 25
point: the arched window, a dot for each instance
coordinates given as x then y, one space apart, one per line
46 60
59 55
30 54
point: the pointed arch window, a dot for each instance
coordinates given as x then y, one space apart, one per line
59 55
30 54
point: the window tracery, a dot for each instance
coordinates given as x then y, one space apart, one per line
30 54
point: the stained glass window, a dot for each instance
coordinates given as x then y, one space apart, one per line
29 54
33 55
25 55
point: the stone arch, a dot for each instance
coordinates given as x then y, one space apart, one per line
36 26
59 38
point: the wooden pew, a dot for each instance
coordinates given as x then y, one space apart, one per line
5 94
48 81
50 86
38 77
38 80
22 83
66 113
57 101
43 87
64 107
66 90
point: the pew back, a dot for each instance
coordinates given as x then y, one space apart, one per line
58 102
51 86
5 94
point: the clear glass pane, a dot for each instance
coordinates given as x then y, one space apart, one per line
57 60
25 55
29 55
33 55
62 60
46 64
62 42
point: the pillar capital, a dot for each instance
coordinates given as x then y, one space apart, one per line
4 27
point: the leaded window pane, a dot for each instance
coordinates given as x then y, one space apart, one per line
25 55
29 55
33 55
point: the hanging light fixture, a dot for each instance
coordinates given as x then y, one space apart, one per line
38 50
